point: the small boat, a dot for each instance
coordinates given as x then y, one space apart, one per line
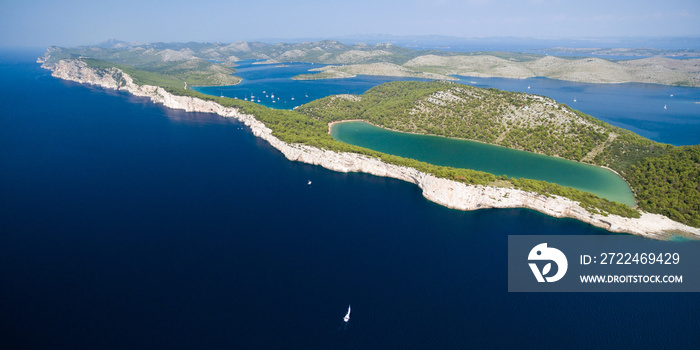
264 92
222 94
671 95
272 95
665 107
309 183
347 316
292 98
306 95
258 100
528 88
574 100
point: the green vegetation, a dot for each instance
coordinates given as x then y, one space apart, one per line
664 177
173 74
295 127
669 184
515 120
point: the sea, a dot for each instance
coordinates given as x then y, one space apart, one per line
128 225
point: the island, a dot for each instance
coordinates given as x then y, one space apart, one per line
391 60
664 177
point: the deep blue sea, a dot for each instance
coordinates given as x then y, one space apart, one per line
127 225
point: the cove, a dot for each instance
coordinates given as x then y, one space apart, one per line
493 159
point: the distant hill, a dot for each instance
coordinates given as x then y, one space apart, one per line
362 58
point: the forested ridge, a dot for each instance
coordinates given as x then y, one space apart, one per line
516 120
665 178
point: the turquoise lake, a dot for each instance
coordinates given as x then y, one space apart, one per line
484 157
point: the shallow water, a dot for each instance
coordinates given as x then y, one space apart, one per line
485 157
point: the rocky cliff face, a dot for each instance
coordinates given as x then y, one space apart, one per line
442 191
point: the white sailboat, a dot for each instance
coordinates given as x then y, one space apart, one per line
309 183
665 107
347 316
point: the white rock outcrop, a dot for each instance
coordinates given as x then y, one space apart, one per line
449 193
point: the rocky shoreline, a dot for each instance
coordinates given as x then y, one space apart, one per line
445 192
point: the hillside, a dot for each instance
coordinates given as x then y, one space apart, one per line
391 60
531 123
164 68
516 120
657 70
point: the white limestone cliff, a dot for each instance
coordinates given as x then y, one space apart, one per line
445 192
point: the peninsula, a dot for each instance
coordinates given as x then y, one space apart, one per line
302 136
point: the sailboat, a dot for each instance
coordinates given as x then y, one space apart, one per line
665 107
347 316
292 98
222 94
309 183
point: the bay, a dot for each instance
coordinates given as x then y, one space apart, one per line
263 81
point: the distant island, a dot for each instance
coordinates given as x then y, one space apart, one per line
664 177
392 60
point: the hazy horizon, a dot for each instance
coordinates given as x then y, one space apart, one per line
43 23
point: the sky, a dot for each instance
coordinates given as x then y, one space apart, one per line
40 23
